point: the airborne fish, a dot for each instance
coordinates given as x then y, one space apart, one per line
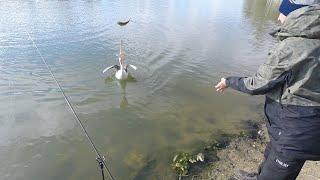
123 23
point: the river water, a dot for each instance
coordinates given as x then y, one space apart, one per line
181 48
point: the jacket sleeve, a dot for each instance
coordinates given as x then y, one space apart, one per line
272 74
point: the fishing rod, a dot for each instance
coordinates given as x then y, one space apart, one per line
100 159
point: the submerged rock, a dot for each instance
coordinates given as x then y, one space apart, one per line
135 160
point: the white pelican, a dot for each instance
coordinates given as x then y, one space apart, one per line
122 68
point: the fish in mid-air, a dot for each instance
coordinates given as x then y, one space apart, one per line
123 23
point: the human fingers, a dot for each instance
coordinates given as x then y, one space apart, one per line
219 84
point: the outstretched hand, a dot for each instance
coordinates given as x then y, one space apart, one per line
222 85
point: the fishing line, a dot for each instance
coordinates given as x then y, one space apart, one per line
99 158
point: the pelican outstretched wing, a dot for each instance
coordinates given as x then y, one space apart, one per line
110 67
133 66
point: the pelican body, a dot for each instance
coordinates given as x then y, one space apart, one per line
122 68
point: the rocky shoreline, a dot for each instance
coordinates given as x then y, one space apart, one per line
239 152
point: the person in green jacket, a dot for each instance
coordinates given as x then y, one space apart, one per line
290 80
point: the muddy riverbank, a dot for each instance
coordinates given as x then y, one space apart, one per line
241 152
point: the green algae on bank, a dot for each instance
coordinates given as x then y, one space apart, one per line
187 165
182 161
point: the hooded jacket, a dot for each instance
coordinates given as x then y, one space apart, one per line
306 2
291 74
290 79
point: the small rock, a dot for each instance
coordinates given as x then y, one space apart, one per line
192 160
200 157
175 158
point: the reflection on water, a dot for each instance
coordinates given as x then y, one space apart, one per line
122 84
181 49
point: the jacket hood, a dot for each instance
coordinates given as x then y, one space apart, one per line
303 22
306 2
